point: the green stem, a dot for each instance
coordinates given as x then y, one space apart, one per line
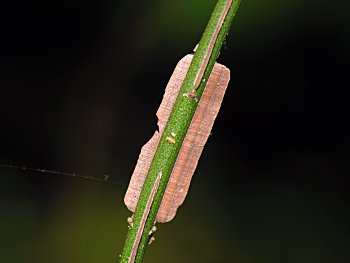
184 108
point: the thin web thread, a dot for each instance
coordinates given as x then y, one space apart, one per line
104 178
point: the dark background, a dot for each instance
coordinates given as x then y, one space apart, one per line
80 84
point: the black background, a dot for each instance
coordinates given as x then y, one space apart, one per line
80 84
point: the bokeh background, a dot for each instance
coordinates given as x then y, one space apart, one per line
80 84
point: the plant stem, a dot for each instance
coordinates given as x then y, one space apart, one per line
184 108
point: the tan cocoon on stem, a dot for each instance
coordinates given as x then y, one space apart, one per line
191 149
